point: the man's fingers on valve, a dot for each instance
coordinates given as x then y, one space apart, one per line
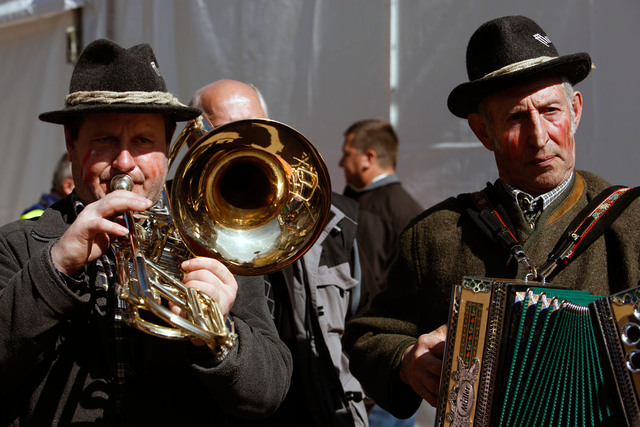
213 278
89 236
215 267
119 201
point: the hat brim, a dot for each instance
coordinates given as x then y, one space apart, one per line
178 113
465 98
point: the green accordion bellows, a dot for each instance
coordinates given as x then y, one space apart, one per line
518 354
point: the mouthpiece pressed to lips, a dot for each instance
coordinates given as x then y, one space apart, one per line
121 182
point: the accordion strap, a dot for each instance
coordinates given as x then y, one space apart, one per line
593 220
492 219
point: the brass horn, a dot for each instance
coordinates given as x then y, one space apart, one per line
254 194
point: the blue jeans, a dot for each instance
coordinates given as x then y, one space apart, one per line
378 417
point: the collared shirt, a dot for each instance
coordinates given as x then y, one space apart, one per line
379 177
378 181
535 205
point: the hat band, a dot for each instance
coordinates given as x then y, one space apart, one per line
133 97
521 65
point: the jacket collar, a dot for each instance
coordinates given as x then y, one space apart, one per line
387 180
570 201
56 219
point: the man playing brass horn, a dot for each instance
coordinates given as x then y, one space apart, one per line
66 356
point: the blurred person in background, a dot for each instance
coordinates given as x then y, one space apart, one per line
61 186
369 158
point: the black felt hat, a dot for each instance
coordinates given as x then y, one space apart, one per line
110 78
508 51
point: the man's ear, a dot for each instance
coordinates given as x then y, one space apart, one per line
67 185
371 157
576 104
480 128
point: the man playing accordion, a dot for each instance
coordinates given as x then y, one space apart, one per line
520 103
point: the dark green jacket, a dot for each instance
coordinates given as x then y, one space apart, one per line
444 244
56 350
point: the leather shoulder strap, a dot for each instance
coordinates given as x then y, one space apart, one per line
592 221
500 230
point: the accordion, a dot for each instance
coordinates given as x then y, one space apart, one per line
517 354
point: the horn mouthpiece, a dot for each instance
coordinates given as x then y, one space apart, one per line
121 182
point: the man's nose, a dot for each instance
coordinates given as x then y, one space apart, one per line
124 161
539 134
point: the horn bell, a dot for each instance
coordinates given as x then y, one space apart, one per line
254 194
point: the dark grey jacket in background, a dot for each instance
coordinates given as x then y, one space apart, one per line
385 209
55 350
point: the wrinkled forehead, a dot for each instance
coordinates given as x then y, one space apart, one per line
113 122
547 90
106 119
528 88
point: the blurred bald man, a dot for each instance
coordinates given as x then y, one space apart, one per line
225 101
312 299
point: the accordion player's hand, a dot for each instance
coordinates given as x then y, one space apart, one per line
422 364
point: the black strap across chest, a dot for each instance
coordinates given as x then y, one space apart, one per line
585 228
492 219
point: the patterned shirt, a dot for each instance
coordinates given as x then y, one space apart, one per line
109 307
531 206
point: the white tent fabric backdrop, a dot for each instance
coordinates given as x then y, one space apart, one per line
321 65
